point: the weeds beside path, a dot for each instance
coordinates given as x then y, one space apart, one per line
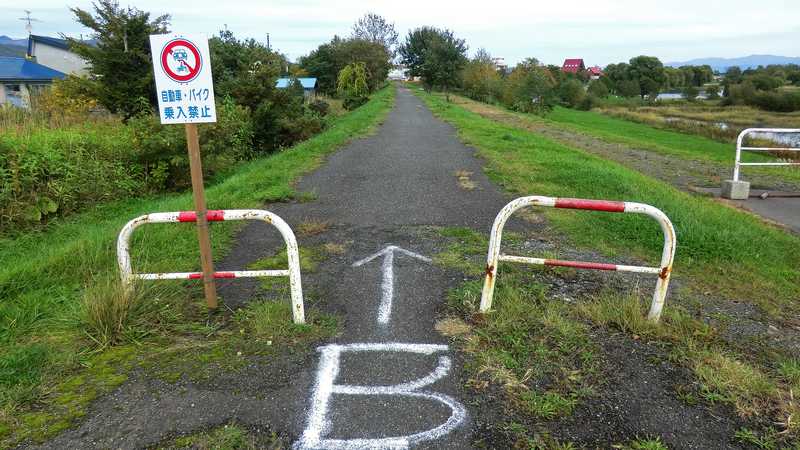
734 275
680 159
51 364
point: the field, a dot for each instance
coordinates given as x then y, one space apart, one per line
705 118
69 334
707 331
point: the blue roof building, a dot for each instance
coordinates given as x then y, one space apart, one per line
20 76
307 83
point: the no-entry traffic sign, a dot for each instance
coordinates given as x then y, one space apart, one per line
183 78
182 70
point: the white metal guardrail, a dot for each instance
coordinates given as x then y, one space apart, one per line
293 271
740 148
663 271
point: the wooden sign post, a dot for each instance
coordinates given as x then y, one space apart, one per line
198 191
185 91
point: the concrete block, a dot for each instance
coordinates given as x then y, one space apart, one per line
735 190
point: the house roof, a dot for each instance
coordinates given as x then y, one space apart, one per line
596 70
573 65
23 70
53 42
307 83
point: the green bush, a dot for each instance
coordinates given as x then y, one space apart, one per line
161 153
51 172
47 172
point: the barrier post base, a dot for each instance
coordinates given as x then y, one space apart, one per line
735 190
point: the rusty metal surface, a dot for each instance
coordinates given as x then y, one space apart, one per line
292 251
664 270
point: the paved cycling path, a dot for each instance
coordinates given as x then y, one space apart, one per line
389 380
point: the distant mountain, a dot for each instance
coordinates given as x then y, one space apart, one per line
5 40
746 62
12 50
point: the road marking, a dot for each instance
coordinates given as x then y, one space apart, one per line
317 423
387 284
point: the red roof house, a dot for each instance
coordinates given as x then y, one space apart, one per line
596 71
573 65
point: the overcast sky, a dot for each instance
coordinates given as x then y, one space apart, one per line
600 31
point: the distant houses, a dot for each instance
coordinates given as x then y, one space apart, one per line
21 77
47 59
55 54
573 65
309 85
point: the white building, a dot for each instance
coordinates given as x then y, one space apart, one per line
55 54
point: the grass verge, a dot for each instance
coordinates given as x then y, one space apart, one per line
49 334
721 251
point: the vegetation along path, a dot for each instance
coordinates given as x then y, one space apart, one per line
393 234
691 163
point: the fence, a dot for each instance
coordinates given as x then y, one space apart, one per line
663 271
293 271
739 148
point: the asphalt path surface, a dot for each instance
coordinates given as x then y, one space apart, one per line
389 384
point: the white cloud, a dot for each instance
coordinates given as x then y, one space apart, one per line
601 31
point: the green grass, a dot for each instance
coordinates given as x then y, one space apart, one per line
226 437
45 275
682 145
720 249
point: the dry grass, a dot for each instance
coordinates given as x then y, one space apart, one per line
312 227
332 248
465 180
453 327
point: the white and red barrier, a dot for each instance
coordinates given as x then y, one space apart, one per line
293 271
663 271
740 147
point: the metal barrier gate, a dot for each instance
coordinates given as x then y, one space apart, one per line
293 272
739 148
663 271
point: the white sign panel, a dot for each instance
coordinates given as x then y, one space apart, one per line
182 68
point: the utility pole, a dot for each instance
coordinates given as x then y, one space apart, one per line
268 47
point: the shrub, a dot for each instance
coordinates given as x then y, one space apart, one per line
598 89
571 92
161 153
351 84
321 107
45 173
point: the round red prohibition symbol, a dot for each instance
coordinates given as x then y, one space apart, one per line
180 60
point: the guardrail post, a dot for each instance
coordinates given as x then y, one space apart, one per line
664 271
292 252
735 189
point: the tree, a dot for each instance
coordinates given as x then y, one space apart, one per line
443 61
627 88
690 92
375 28
712 92
351 84
480 78
530 89
598 89
648 72
571 92
120 64
329 59
412 51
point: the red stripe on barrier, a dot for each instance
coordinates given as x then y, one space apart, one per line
213 215
197 276
580 264
592 205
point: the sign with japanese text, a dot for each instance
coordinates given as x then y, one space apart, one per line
182 68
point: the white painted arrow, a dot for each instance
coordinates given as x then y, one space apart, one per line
387 285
